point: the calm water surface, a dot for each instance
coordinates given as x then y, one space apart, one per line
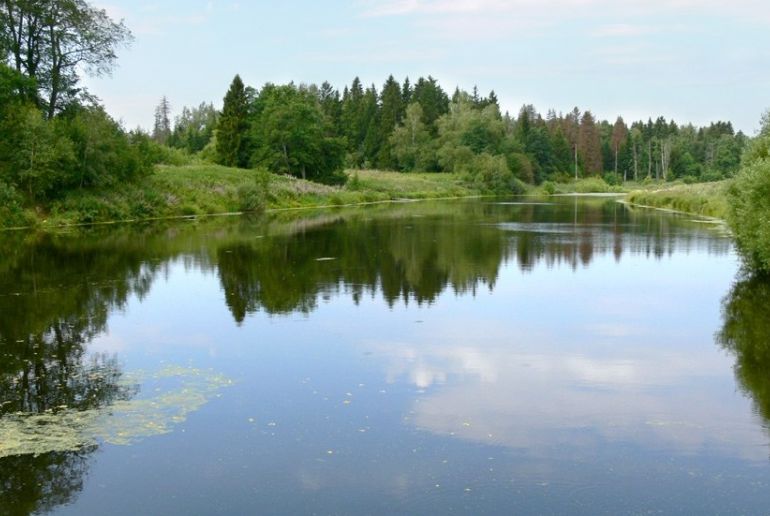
428 358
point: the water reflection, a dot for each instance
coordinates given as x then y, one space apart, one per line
45 329
746 333
428 249
58 292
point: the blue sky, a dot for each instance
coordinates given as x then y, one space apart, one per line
691 60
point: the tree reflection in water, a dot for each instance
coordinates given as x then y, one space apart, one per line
57 292
55 300
746 333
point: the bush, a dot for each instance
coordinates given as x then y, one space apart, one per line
749 213
712 175
336 178
613 179
12 213
491 173
592 185
253 197
549 187
355 183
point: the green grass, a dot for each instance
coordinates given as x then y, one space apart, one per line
582 186
202 189
706 199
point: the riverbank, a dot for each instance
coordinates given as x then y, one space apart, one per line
705 199
205 189
199 190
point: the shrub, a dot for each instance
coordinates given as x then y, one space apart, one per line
712 175
355 182
491 173
549 187
336 178
613 179
11 210
592 185
749 212
253 196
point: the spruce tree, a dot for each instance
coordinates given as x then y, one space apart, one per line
162 129
433 100
353 123
406 93
391 113
232 127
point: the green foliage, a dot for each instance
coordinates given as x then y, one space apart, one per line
81 148
194 128
54 42
354 184
521 166
749 201
34 155
231 144
11 207
746 333
208 189
251 198
549 187
708 199
491 173
592 185
13 87
411 144
104 155
749 212
293 136
613 179
209 153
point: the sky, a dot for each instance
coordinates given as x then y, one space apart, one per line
691 60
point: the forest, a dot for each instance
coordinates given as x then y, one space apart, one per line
314 131
57 138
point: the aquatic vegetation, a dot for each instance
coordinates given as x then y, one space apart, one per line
122 423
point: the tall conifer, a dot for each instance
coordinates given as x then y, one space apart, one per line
232 127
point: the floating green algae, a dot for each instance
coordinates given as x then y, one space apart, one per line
122 423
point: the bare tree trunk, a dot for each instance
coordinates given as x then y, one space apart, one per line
286 158
636 163
576 163
665 158
649 158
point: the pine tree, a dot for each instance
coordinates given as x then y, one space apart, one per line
162 129
232 127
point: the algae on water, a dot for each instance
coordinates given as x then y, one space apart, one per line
122 423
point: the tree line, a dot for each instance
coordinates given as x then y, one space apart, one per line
314 131
55 137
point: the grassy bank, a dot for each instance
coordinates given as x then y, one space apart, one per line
175 191
707 199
